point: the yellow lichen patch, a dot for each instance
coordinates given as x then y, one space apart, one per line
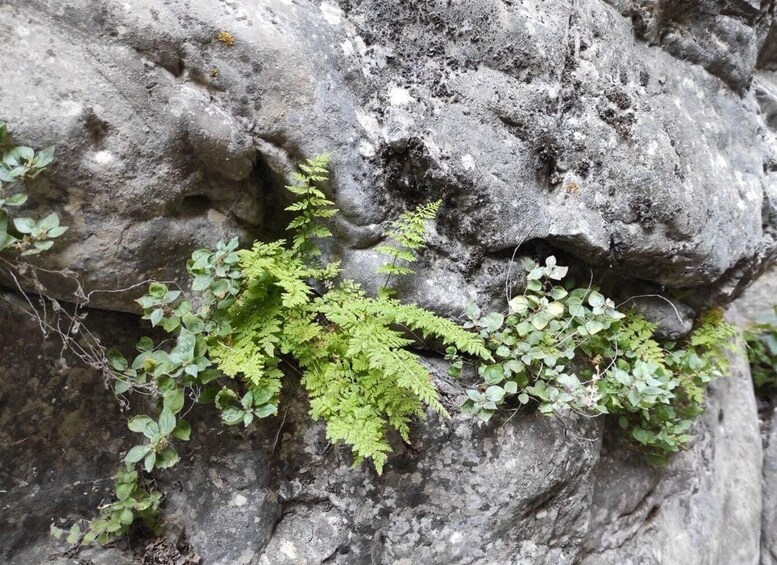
226 38
572 187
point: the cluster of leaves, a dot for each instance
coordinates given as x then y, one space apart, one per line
761 339
133 502
171 370
569 348
23 235
255 315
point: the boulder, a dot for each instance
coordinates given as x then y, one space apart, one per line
634 138
624 133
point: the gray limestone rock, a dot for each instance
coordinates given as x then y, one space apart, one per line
533 121
769 523
632 136
644 515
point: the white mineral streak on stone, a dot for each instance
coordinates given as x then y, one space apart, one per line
288 549
332 13
366 149
348 48
399 96
238 500
103 157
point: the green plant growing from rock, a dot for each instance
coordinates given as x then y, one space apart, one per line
23 236
253 315
570 349
761 339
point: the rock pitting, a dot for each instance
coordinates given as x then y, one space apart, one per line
634 137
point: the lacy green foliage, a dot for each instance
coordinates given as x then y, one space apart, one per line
256 316
406 236
569 348
312 207
23 235
354 362
761 339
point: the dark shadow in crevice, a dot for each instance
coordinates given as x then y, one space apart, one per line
195 205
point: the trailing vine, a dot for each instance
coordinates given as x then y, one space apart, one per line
570 349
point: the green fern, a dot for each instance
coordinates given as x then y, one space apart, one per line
635 338
407 235
714 339
312 207
351 349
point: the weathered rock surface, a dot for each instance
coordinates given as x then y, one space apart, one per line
769 524
641 515
758 300
633 135
525 489
532 121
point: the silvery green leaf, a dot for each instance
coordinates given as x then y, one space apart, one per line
519 305
24 225
26 153
56 232
148 462
183 430
156 316
44 157
49 222
16 199
137 453
495 393
43 245
167 458
557 293
139 423
534 274
595 299
557 273
555 309
173 400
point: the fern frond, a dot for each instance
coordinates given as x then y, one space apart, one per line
312 206
635 336
714 336
407 235
357 406
428 324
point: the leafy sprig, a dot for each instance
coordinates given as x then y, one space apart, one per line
569 348
23 236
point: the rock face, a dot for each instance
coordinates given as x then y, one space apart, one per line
525 489
769 524
633 136
642 516
760 299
